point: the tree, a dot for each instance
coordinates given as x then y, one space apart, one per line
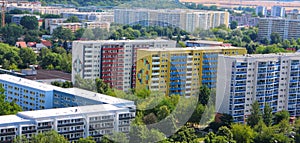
150 119
86 140
275 38
226 120
11 33
281 115
63 34
233 24
29 22
204 95
28 56
255 116
196 116
88 34
185 134
286 44
224 131
101 86
79 33
265 41
163 112
49 137
242 133
72 19
268 116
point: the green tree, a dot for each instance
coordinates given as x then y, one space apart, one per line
196 116
72 19
268 116
255 116
11 33
29 22
286 44
204 95
88 34
49 137
242 133
21 139
185 134
163 112
28 56
150 119
63 34
233 24
281 115
224 131
86 140
79 33
275 38
101 86
226 120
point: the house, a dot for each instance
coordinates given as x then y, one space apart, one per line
21 44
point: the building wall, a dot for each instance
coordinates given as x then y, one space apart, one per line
25 96
286 28
113 61
188 20
271 79
179 72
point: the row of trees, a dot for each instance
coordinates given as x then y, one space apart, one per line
262 126
13 58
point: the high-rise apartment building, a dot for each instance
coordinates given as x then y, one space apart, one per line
286 28
278 11
112 60
268 78
188 20
261 10
180 71
72 112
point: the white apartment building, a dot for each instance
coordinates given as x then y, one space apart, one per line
112 60
268 78
188 20
286 28
72 112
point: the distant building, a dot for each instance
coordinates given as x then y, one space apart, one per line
286 28
16 18
205 43
50 21
266 78
278 11
72 26
188 20
261 10
244 20
114 61
43 9
93 25
180 71
91 16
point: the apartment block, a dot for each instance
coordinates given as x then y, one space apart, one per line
180 71
42 9
93 25
188 20
268 78
278 11
91 16
72 26
112 60
51 21
72 112
286 28
244 20
261 10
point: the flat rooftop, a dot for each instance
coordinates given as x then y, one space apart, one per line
205 42
263 56
26 82
193 48
93 95
68 111
6 119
